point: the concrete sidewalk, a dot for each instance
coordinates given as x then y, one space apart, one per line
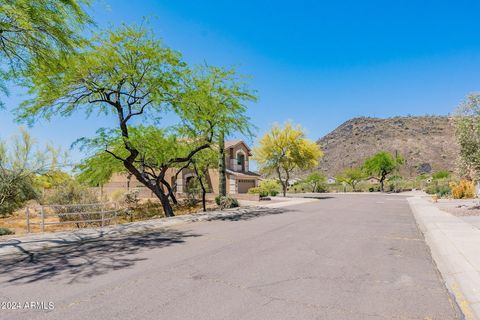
38 241
455 248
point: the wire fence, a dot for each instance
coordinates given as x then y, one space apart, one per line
80 215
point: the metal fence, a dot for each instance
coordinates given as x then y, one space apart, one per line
81 215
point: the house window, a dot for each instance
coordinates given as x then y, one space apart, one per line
241 161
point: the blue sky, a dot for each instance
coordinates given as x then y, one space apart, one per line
317 63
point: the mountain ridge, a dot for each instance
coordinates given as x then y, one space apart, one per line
427 143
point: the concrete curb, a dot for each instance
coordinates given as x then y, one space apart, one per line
38 241
455 248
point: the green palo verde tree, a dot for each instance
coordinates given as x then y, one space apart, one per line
285 149
315 181
380 165
227 95
351 176
129 75
32 31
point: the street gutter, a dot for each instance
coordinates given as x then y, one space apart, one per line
455 248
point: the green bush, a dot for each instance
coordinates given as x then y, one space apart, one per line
441 190
440 175
265 188
217 199
254 190
263 193
6 231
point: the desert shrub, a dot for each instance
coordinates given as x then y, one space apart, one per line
464 189
190 202
117 196
73 197
146 210
228 202
439 188
131 197
273 193
263 193
443 191
6 231
217 199
15 191
70 192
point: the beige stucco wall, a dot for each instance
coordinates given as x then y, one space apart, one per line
231 157
120 182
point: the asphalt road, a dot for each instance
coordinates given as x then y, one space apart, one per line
344 257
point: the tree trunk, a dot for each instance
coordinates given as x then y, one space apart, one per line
204 200
171 192
284 184
381 183
167 207
155 188
204 191
222 187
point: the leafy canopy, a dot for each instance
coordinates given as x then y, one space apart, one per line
351 176
125 70
285 149
382 164
36 31
315 182
128 74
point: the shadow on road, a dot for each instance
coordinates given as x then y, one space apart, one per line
86 259
318 197
247 214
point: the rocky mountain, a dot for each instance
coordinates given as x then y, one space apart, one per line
426 143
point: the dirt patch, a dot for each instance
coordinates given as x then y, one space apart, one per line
18 221
460 208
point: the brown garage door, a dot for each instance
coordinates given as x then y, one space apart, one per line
244 185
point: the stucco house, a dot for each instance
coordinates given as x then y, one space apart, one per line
239 176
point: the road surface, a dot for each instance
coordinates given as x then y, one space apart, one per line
340 257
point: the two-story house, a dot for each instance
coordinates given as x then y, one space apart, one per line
239 176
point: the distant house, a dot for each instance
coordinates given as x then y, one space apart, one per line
331 180
372 180
239 176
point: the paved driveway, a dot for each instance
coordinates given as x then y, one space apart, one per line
341 257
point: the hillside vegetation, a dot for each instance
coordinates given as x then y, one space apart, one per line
427 143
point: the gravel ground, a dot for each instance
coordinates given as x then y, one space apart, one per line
460 207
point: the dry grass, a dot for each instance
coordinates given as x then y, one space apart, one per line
18 222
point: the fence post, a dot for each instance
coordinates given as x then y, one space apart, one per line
103 215
43 219
115 213
28 220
